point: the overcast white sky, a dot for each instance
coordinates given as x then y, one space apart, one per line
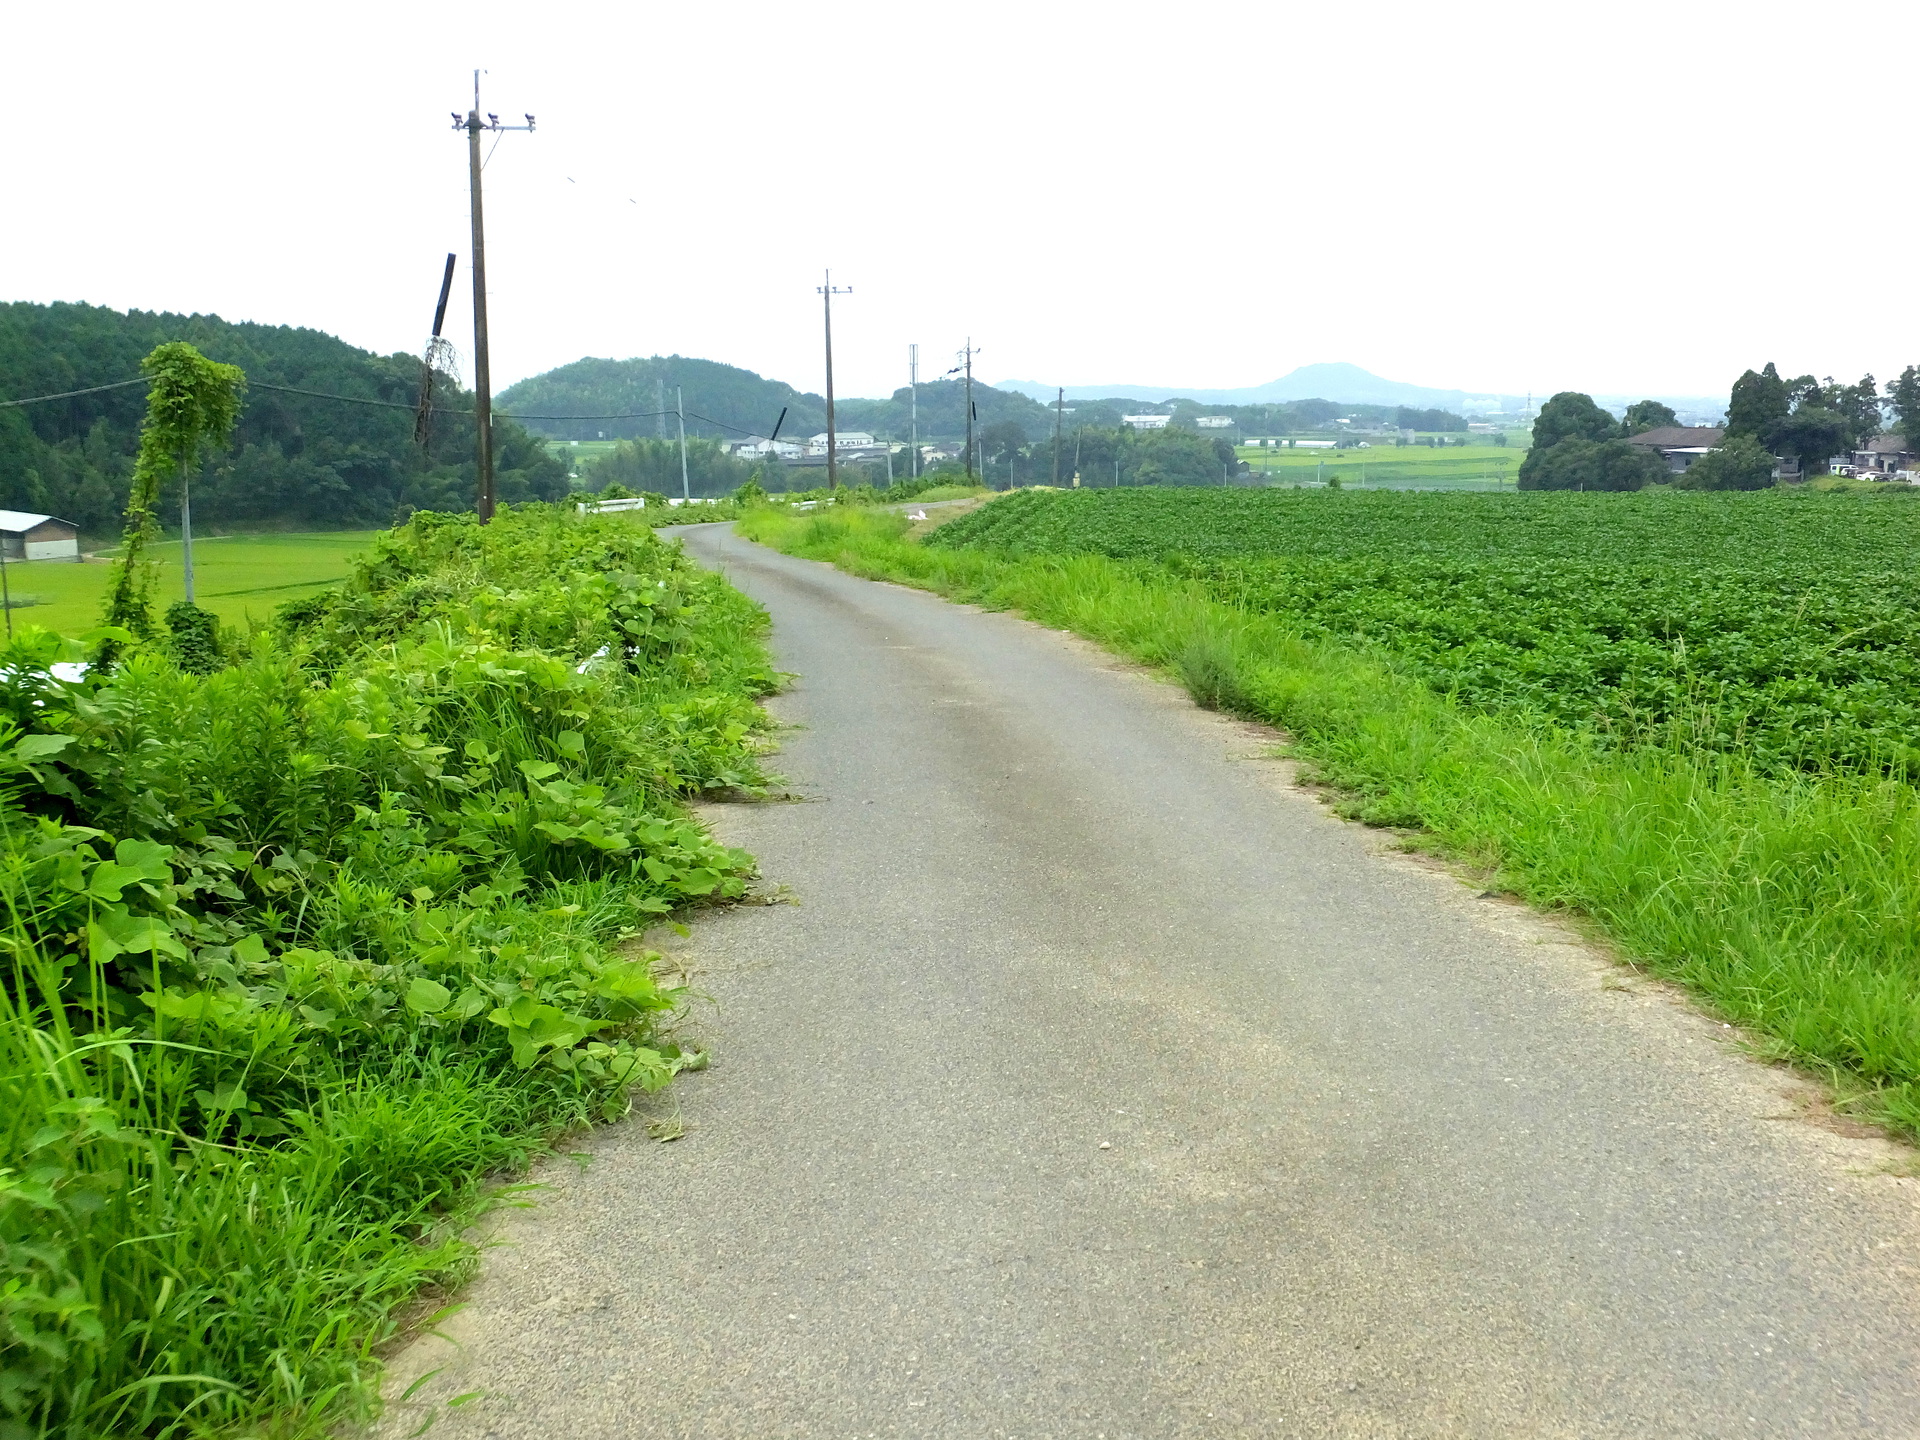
1495 196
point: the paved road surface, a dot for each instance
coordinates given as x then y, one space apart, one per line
1098 1085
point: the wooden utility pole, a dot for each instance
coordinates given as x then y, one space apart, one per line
1060 400
827 292
967 357
482 373
913 412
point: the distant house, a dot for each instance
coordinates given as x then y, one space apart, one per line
1680 445
37 537
1146 422
1883 455
843 442
755 448
1213 422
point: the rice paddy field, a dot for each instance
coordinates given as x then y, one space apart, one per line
1388 466
237 577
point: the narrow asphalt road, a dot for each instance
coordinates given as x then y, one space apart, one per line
1099 1084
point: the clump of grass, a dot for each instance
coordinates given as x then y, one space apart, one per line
1791 903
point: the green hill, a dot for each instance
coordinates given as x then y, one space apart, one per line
725 402
943 411
741 402
297 462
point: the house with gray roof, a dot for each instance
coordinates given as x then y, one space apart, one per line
1680 445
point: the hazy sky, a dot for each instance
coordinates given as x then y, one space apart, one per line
1497 196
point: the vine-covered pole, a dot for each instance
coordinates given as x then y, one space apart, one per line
191 401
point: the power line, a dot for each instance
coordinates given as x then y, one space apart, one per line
69 394
344 399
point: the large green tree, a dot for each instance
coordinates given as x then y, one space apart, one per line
1903 394
1568 416
1860 403
1812 434
1646 415
1758 403
1571 414
1740 463
1578 463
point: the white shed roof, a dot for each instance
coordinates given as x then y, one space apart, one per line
15 522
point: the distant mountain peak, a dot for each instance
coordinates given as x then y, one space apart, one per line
1340 381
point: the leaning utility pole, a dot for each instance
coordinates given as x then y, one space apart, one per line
437 354
1059 402
827 292
482 375
913 412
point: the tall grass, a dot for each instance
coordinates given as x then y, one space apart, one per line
295 954
1791 904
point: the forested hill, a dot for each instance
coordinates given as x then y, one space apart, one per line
741 402
296 461
943 411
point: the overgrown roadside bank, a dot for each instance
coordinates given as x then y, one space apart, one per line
309 932
1788 900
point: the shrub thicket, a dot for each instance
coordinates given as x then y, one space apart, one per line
300 948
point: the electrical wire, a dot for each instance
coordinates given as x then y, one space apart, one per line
69 394
384 404
634 415
347 399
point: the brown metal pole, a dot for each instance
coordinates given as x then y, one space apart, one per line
482 376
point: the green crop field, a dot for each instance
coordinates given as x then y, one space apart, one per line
237 577
1773 626
1387 466
1691 718
580 452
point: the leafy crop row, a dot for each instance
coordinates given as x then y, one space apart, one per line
298 950
1775 627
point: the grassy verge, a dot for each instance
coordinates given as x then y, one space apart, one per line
300 950
1790 903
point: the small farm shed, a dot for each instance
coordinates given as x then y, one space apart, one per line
1680 445
37 537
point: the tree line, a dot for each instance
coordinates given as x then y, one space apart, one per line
1579 446
295 460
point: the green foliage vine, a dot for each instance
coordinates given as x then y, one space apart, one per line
193 401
